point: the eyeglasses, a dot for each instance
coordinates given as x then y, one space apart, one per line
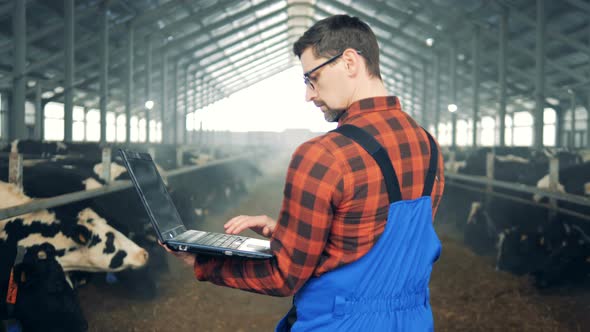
307 75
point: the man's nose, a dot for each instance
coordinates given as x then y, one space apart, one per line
310 94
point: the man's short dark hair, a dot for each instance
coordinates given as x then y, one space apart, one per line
335 34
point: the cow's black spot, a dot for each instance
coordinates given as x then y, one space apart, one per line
16 230
117 261
95 240
110 245
48 248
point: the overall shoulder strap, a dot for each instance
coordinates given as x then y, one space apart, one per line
431 174
370 144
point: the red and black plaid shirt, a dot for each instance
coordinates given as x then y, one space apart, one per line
335 202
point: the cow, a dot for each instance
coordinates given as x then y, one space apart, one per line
44 300
521 251
573 180
80 238
554 254
480 233
58 177
36 148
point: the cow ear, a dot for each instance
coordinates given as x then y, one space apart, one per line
82 235
41 255
82 239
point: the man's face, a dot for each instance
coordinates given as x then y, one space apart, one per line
328 88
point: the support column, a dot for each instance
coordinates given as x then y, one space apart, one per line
424 110
572 140
184 138
85 136
453 88
413 92
559 117
148 85
69 69
175 140
129 83
588 122
437 105
502 50
164 101
540 75
16 115
104 71
476 82
39 114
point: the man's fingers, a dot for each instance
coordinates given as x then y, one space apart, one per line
233 221
165 247
238 227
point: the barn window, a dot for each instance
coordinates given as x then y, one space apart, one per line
549 125
121 128
488 127
159 131
134 122
509 132
574 129
111 127
523 129
93 125
29 113
153 135
444 133
78 125
142 131
462 133
54 122
189 121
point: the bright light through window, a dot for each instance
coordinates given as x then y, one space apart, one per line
275 104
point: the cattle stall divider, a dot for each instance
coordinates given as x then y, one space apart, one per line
106 164
15 170
45 203
553 196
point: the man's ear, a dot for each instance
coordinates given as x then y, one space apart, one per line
352 61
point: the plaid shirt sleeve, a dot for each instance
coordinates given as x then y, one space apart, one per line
313 186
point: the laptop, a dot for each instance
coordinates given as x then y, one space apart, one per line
167 222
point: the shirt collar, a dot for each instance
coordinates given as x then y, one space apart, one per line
369 105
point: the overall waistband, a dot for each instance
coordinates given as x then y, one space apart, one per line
343 306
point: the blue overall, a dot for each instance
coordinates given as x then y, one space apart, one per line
387 289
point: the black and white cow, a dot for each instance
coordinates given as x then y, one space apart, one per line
573 180
554 254
45 302
80 239
480 233
122 209
40 149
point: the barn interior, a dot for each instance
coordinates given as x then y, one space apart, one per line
503 86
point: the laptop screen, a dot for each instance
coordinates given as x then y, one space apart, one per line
158 200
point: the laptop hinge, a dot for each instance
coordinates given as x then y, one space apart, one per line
168 235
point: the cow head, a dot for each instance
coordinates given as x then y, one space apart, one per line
544 184
95 246
85 244
519 251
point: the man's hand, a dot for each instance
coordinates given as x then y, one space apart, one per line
262 225
186 257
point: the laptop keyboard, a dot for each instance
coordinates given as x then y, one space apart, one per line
216 240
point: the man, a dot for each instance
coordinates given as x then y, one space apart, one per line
354 239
